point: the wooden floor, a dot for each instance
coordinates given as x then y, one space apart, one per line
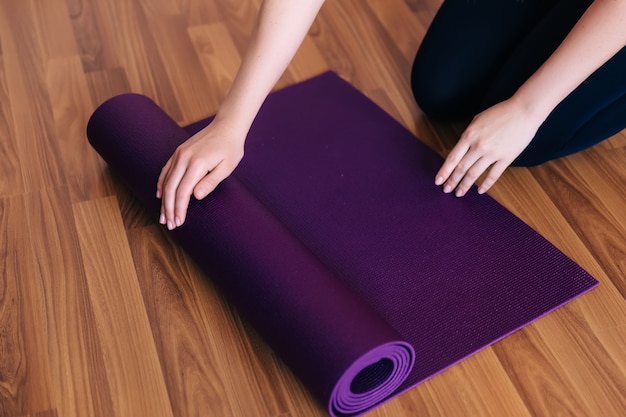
102 315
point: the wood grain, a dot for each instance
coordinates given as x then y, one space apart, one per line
132 367
480 383
10 175
22 50
74 353
71 108
94 34
102 314
25 384
219 59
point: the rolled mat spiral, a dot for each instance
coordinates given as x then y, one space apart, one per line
333 242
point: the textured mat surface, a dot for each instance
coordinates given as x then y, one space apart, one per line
333 241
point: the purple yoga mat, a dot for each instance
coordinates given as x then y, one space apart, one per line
332 240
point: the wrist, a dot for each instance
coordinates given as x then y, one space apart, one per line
230 126
534 107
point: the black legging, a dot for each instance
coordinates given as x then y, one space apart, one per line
477 53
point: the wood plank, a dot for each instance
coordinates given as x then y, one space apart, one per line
307 63
577 355
182 67
184 343
107 83
379 62
10 175
47 413
38 156
25 383
478 386
401 25
538 377
240 17
132 366
77 370
200 12
94 34
587 359
139 55
155 8
218 57
71 107
605 173
55 30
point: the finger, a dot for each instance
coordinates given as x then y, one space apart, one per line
460 171
208 184
170 186
160 184
192 177
494 174
162 176
471 175
452 160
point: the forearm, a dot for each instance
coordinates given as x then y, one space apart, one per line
598 35
281 28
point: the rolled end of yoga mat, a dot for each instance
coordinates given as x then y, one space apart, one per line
373 378
341 349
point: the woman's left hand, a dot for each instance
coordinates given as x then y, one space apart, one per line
491 142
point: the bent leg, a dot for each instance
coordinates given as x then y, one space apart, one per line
466 44
533 50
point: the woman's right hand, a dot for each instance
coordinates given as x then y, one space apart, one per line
197 167
207 158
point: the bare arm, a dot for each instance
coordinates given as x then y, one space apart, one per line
203 161
499 134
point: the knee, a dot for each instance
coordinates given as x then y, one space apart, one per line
427 96
437 94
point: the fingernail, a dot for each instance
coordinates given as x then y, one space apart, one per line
438 180
170 225
201 194
447 189
162 218
158 194
178 222
459 193
481 190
